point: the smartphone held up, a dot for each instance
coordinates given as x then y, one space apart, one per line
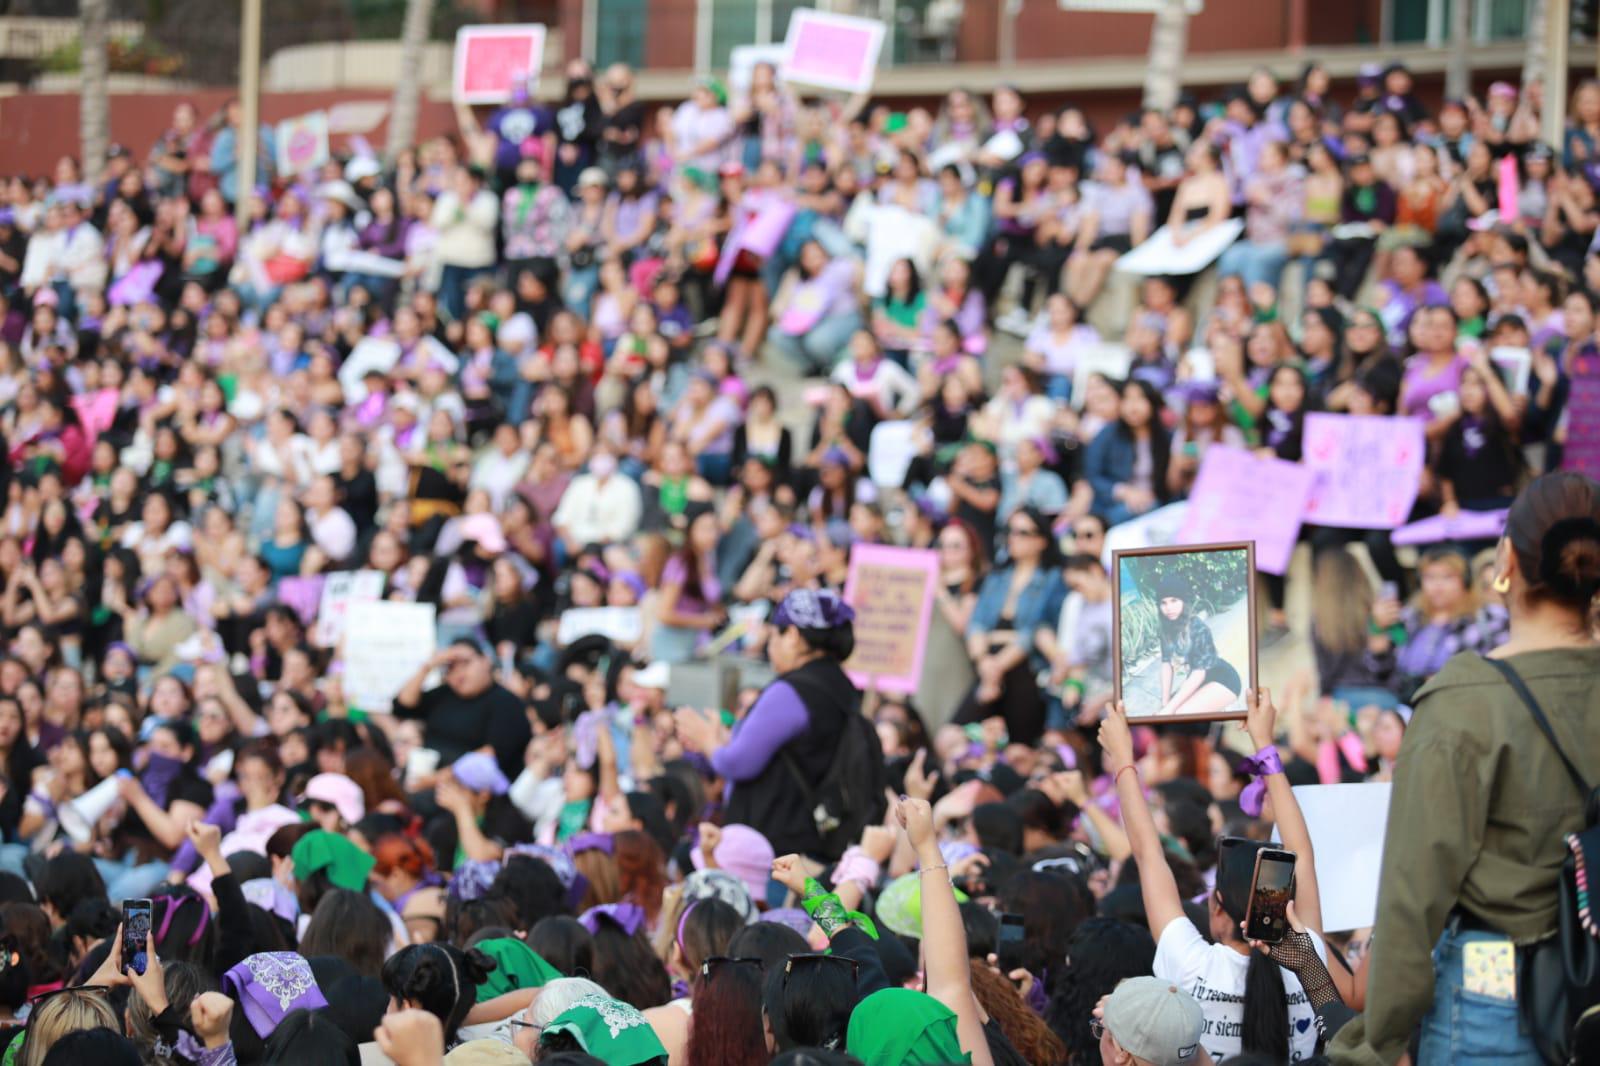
1267 917
135 935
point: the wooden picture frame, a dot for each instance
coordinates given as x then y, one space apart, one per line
1220 583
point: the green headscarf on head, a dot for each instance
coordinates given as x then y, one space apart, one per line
612 1031
347 865
516 966
899 1027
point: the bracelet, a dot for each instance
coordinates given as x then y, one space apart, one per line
942 866
1118 775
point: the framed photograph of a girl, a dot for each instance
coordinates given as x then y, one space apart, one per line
1184 629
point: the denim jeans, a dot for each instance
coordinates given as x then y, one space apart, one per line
1254 262
129 880
1469 1027
817 351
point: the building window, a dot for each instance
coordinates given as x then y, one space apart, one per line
739 22
1428 21
619 31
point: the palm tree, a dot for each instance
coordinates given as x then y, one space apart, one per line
94 110
407 91
1458 68
1169 38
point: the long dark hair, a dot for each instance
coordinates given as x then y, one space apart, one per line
727 1013
627 967
1160 439
1265 1030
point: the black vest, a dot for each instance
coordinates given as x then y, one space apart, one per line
772 801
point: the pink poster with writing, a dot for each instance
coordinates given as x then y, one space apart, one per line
489 59
1238 496
892 591
1368 468
832 51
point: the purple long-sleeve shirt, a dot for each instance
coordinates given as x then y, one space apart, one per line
778 717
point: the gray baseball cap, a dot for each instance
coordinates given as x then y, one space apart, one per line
1156 1021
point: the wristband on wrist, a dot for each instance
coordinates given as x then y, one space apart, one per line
1118 775
829 912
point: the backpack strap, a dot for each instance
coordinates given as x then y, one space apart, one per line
1520 687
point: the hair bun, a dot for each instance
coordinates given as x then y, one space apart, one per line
477 966
1569 560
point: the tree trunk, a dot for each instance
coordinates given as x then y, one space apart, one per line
407 91
1533 55
1169 38
94 109
1458 68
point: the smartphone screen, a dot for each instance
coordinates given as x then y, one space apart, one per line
135 933
1267 918
1009 941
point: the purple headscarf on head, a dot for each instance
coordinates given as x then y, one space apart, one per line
472 879
589 842
630 916
269 985
813 609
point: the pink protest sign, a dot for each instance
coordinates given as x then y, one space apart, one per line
489 59
303 594
1464 525
301 143
892 591
1368 469
760 235
1508 200
1238 496
97 410
832 51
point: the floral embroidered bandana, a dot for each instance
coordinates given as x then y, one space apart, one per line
610 1030
269 985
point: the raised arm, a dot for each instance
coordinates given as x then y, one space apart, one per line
944 938
1162 904
1261 723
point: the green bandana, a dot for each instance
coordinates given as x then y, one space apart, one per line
900 905
612 1031
516 966
827 910
347 865
899 1027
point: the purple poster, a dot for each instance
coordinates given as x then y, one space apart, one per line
1238 496
1368 469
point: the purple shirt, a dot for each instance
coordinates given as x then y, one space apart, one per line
1420 386
778 717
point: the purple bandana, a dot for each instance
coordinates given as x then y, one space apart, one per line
472 879
630 916
812 609
271 984
793 917
1259 765
589 842
271 897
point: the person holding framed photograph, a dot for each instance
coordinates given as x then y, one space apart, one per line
1210 684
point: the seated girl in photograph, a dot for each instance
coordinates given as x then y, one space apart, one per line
1212 684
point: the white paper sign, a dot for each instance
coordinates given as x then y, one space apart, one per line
339 591
1107 359
1160 255
621 625
744 59
1347 824
892 447
301 143
385 643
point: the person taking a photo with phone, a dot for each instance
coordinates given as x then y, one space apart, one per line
1251 1005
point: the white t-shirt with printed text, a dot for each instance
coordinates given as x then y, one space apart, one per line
1214 974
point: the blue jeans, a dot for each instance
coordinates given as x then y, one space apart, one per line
579 289
453 282
1468 1027
817 351
127 880
1254 262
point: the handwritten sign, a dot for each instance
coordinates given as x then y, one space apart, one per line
490 59
1368 469
620 625
385 643
892 591
1464 525
301 143
339 591
1238 496
832 51
1347 825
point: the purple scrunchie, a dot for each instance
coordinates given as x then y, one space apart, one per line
589 842
1259 765
630 916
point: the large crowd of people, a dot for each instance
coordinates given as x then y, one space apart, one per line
536 367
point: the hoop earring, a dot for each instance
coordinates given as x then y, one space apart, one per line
1501 584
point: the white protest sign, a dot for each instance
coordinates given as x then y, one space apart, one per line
301 143
339 591
1347 824
1162 255
744 59
385 643
621 625
889 453
1108 359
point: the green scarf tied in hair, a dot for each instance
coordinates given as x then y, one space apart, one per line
899 1027
347 865
612 1031
516 966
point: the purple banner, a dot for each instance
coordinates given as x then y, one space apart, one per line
1238 496
1368 469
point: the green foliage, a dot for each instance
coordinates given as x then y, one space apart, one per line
1219 579
123 56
